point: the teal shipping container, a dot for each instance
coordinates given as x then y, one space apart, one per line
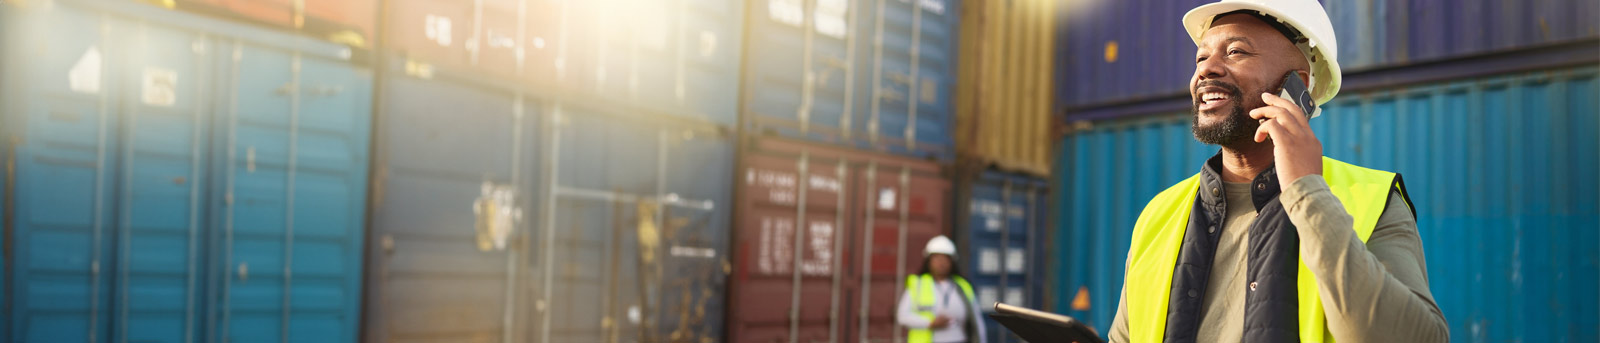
1501 169
179 178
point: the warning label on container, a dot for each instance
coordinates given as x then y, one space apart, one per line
84 77
160 87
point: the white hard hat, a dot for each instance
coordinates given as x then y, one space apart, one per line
1306 16
940 245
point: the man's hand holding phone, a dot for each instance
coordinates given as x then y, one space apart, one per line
1295 149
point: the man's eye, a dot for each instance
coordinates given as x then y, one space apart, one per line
1235 51
1200 59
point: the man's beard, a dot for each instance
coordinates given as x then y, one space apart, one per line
1234 129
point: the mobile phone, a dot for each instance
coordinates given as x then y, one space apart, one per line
1295 90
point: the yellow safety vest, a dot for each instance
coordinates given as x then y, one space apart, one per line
1158 234
923 296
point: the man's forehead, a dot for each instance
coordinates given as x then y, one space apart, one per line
1237 27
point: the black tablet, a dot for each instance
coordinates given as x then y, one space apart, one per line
1043 327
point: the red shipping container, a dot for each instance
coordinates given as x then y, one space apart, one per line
864 220
344 21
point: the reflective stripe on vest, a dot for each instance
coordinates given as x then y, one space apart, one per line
924 298
1158 235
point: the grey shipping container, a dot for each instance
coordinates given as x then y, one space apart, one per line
505 216
1501 170
455 168
180 178
633 238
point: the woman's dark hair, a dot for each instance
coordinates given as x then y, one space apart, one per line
955 266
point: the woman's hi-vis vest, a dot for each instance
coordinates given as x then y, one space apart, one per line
924 297
1159 232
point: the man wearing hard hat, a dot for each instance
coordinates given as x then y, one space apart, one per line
1271 241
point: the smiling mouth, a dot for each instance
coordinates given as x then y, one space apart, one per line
1212 100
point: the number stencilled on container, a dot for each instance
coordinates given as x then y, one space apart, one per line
160 87
437 29
989 210
777 255
781 185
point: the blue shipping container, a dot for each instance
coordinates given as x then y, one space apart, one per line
1501 170
181 178
868 74
1004 244
451 158
632 243
1123 51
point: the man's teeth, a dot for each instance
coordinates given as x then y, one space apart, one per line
1209 97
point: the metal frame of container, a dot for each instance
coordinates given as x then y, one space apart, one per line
136 150
1500 169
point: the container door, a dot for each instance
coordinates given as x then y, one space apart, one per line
159 237
454 206
633 244
292 198
65 152
908 74
1001 261
786 296
802 67
902 208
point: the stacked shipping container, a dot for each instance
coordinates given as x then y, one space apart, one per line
182 179
1487 108
542 170
554 171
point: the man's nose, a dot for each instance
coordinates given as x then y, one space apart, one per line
1210 69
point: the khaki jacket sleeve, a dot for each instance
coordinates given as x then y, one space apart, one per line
1119 326
1373 292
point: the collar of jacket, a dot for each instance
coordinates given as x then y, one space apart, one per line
1263 188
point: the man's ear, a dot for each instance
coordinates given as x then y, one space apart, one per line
1305 76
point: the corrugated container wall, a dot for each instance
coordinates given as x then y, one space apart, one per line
1004 100
452 208
876 75
632 240
562 183
180 178
349 22
1122 51
1501 170
1004 233
825 238
676 57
